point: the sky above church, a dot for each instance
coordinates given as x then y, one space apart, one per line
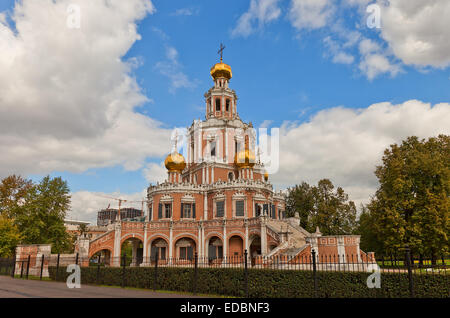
94 97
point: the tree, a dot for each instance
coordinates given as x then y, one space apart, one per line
42 220
369 240
301 200
13 191
82 228
321 206
9 236
411 206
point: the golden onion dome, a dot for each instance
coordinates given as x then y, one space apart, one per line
221 70
266 176
245 159
175 162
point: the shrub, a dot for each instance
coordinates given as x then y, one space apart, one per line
265 283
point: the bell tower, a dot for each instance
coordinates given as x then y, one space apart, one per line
220 99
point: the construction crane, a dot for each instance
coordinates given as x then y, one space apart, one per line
120 203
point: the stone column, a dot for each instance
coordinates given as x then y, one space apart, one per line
170 243
145 247
263 236
200 241
246 236
225 240
341 248
205 206
117 234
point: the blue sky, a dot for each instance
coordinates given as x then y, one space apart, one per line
285 70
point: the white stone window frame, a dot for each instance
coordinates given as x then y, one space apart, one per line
239 197
219 197
279 209
187 199
261 205
166 200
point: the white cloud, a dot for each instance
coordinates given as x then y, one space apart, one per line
172 69
260 13
85 204
310 14
417 31
345 145
67 97
337 52
374 61
186 12
155 172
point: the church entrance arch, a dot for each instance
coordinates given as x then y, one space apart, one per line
131 251
255 248
215 250
161 247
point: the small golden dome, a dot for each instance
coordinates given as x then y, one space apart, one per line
221 70
245 159
175 162
266 176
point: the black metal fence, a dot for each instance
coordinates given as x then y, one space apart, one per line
406 266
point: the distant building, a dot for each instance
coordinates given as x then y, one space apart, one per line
72 226
92 231
108 216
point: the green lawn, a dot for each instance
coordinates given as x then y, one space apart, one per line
401 264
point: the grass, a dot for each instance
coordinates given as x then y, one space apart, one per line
426 264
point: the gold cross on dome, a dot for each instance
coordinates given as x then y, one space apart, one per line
221 51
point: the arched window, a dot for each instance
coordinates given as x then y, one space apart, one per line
227 105
230 176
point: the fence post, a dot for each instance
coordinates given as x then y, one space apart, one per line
246 272
313 255
156 269
410 276
28 265
124 264
98 268
14 266
195 273
76 259
21 269
57 267
42 267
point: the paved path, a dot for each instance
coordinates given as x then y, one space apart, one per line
20 288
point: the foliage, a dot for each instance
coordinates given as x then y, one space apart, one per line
9 236
83 229
264 283
13 192
369 240
320 206
411 206
38 210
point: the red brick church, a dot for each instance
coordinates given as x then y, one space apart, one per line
217 200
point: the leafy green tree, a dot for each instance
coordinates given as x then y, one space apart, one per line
42 220
369 240
411 206
322 206
82 228
9 236
301 200
13 191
